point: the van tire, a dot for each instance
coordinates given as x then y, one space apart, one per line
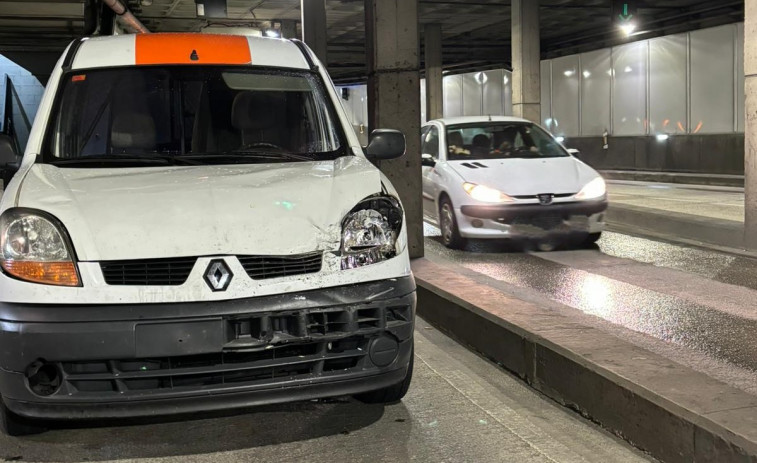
390 394
14 425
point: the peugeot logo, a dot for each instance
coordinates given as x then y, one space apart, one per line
218 275
545 199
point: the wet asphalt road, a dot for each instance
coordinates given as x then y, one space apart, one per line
693 298
460 408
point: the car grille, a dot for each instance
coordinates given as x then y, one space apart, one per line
545 222
175 271
263 349
263 267
557 196
148 272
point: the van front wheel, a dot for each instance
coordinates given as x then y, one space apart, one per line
14 425
389 394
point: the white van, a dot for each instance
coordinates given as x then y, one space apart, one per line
195 226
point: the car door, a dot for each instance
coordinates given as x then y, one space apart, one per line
430 151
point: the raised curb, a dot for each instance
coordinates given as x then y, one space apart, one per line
671 411
675 177
676 226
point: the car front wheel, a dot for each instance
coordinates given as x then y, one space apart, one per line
448 224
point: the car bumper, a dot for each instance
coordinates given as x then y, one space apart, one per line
156 359
531 220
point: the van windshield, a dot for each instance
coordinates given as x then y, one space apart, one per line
191 115
500 140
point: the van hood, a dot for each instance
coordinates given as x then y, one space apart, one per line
527 177
155 212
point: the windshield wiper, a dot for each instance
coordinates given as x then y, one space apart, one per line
114 159
251 154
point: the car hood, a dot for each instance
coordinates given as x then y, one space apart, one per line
135 213
527 177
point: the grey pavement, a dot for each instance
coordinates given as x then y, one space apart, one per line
460 408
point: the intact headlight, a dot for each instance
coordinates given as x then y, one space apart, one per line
593 190
34 247
370 231
485 194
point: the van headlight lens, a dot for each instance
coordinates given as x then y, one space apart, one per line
593 190
370 231
33 247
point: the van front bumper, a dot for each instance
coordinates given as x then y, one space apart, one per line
118 360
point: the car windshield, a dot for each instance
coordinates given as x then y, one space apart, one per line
500 140
151 116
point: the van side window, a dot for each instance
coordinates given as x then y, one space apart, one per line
431 143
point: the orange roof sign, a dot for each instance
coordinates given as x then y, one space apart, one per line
191 49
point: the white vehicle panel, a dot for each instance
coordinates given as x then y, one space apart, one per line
161 212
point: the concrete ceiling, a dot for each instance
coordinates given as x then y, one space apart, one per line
476 33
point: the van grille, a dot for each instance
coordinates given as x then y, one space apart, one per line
148 272
175 271
263 267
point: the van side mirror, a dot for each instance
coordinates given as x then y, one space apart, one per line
9 161
427 160
385 144
574 152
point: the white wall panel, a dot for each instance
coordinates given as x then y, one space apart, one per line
546 94
667 85
565 85
596 85
507 79
630 89
453 96
423 101
493 98
472 94
740 97
712 80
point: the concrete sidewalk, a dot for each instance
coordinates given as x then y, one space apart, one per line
670 410
692 214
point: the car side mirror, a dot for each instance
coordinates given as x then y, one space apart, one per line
427 160
574 152
385 144
9 161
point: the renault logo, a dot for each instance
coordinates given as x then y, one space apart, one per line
218 275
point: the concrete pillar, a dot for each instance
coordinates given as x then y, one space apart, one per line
432 35
750 142
526 60
289 29
314 27
393 49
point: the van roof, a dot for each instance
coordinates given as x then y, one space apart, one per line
187 48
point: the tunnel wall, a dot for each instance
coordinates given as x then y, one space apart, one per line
28 87
686 88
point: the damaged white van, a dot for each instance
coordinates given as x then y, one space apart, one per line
194 226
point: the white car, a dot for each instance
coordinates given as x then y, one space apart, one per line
195 226
505 177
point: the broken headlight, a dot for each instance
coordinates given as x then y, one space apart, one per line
370 231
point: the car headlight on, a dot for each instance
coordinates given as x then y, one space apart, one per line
593 190
370 231
486 194
34 247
